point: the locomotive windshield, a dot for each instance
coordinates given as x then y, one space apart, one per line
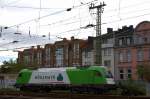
109 75
20 75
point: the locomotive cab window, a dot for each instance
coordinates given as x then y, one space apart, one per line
98 74
109 74
20 75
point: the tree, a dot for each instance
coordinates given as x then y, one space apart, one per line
11 66
143 71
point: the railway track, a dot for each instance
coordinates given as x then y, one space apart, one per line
62 95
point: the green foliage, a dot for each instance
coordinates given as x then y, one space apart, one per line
131 88
11 66
143 71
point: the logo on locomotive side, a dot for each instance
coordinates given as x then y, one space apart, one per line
51 77
59 77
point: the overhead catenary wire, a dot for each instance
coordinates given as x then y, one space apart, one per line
106 22
35 19
127 6
60 22
105 17
102 24
54 13
77 21
113 21
36 8
13 2
127 18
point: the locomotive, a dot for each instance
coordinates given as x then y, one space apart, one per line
74 79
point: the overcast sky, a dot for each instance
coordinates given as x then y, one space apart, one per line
50 18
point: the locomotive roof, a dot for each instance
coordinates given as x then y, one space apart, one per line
55 69
64 68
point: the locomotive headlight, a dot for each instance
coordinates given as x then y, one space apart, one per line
110 81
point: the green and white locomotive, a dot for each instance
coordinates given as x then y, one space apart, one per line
92 78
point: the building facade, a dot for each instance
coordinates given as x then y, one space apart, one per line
61 58
88 52
108 50
49 55
62 53
132 49
121 51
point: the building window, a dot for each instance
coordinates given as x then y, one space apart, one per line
140 40
86 57
121 59
128 41
107 63
47 54
121 73
149 53
76 50
129 73
32 58
120 42
129 56
66 53
140 55
39 58
107 51
59 57
27 59
145 40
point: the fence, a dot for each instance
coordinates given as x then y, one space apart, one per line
7 83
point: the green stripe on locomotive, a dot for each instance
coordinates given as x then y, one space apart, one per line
89 75
25 76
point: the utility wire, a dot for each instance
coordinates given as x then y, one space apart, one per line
128 6
127 18
58 12
118 20
35 8
102 24
13 2
90 27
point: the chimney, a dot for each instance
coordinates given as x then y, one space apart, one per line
72 38
131 26
109 30
124 27
38 46
32 47
64 39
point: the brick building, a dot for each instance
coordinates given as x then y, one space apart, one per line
62 53
76 46
61 58
28 56
49 55
88 52
122 51
132 50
